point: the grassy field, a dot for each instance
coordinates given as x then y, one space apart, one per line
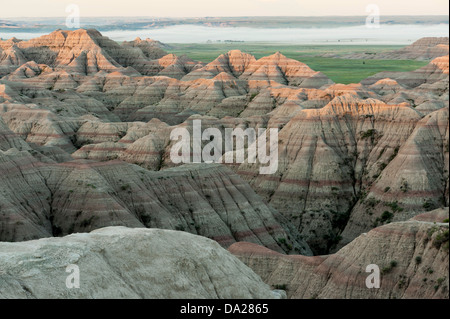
339 70
353 71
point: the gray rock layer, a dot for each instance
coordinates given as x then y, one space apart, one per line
118 262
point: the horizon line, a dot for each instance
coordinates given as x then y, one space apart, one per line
243 16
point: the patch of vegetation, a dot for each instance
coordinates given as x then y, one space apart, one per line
369 133
362 195
404 187
431 231
387 189
283 241
394 206
394 154
381 153
429 205
87 222
418 259
353 71
386 216
125 187
388 268
371 202
441 238
340 219
402 281
252 96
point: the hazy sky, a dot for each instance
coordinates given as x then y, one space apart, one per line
201 8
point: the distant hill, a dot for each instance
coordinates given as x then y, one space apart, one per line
427 48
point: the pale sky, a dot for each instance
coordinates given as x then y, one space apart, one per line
202 8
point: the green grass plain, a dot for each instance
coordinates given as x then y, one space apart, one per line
339 70
353 71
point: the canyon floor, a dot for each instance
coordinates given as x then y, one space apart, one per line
86 176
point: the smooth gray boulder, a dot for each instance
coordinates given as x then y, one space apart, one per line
120 262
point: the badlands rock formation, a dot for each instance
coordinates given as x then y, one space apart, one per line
427 48
118 262
435 72
45 198
84 121
412 257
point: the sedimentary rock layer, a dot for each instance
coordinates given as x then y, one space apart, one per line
42 199
412 256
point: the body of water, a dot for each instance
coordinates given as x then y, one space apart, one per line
385 34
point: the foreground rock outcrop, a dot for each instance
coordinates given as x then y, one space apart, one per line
118 262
